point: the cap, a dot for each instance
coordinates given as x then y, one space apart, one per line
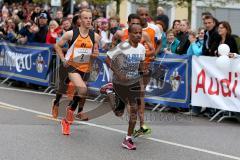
43 15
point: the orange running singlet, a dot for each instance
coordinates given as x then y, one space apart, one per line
79 53
125 35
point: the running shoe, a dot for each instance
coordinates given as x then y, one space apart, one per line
54 109
104 88
69 115
144 130
65 127
128 144
82 116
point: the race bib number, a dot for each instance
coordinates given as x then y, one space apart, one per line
82 55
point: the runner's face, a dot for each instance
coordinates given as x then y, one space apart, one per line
143 13
86 19
134 21
136 34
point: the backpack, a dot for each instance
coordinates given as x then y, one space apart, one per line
76 34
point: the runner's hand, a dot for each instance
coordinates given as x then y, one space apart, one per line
94 55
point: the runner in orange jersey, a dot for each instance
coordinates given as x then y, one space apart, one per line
78 61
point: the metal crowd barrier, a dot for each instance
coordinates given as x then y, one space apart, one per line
54 74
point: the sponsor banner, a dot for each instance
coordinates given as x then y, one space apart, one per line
170 81
28 63
213 87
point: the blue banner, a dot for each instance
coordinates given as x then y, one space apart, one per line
170 81
28 63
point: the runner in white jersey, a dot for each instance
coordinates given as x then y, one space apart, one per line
155 37
126 63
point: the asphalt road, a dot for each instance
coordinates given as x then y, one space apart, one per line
28 133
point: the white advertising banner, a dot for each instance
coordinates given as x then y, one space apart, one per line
216 86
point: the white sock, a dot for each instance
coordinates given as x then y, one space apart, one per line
128 137
109 91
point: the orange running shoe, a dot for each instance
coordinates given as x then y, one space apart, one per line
65 127
54 109
69 115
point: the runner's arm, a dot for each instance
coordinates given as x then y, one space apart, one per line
95 46
108 62
67 36
117 36
149 44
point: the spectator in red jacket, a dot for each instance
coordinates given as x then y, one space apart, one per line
52 32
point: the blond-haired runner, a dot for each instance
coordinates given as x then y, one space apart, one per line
78 61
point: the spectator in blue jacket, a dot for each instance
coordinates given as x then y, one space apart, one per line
27 33
196 43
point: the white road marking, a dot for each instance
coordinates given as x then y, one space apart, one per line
123 132
7 107
48 118
26 91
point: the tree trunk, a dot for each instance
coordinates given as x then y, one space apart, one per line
189 10
152 5
118 6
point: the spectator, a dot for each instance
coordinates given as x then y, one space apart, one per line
36 13
75 21
225 31
59 17
183 37
52 32
114 24
196 45
106 35
160 25
204 14
66 24
98 25
27 33
172 42
70 17
43 28
18 22
211 37
176 27
162 17
96 14
11 30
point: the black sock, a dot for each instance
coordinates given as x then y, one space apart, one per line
74 103
57 100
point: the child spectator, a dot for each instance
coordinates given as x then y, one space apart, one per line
172 42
